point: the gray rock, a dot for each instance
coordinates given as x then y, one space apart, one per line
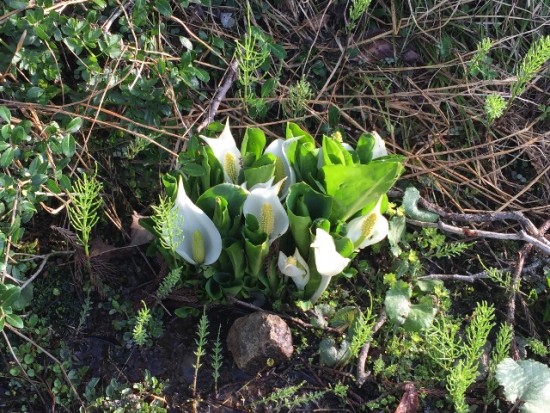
258 337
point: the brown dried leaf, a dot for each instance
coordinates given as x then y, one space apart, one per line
139 235
409 401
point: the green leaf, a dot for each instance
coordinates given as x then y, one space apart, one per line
5 114
164 7
193 169
35 92
74 125
333 116
18 135
353 187
413 317
9 294
262 170
365 145
268 87
68 146
396 233
304 205
14 320
334 153
253 142
233 194
7 157
526 380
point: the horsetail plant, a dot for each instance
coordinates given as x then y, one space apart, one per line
83 208
201 340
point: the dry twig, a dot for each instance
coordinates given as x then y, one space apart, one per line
361 374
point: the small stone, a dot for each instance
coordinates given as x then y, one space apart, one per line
258 339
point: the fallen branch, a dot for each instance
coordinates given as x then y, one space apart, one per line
514 288
538 241
230 76
471 278
362 375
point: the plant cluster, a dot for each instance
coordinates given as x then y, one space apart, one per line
292 206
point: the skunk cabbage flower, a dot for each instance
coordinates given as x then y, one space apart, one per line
379 148
201 241
328 261
368 229
264 204
226 151
295 267
283 169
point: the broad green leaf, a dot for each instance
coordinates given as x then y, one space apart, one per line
14 320
253 142
74 125
344 317
396 233
334 153
35 92
236 256
68 146
526 380
397 302
164 7
9 294
18 135
355 186
233 194
7 157
365 145
261 171
304 205
193 169
5 114
421 315
413 317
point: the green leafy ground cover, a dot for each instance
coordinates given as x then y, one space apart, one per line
101 107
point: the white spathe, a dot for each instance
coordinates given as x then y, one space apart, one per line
379 148
295 267
368 229
195 222
279 148
328 261
226 152
263 202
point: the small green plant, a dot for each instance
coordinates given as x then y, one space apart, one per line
83 208
217 359
495 106
538 347
357 9
251 53
536 56
298 95
498 354
140 334
167 223
481 62
460 358
289 398
145 396
434 244
200 352
168 283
